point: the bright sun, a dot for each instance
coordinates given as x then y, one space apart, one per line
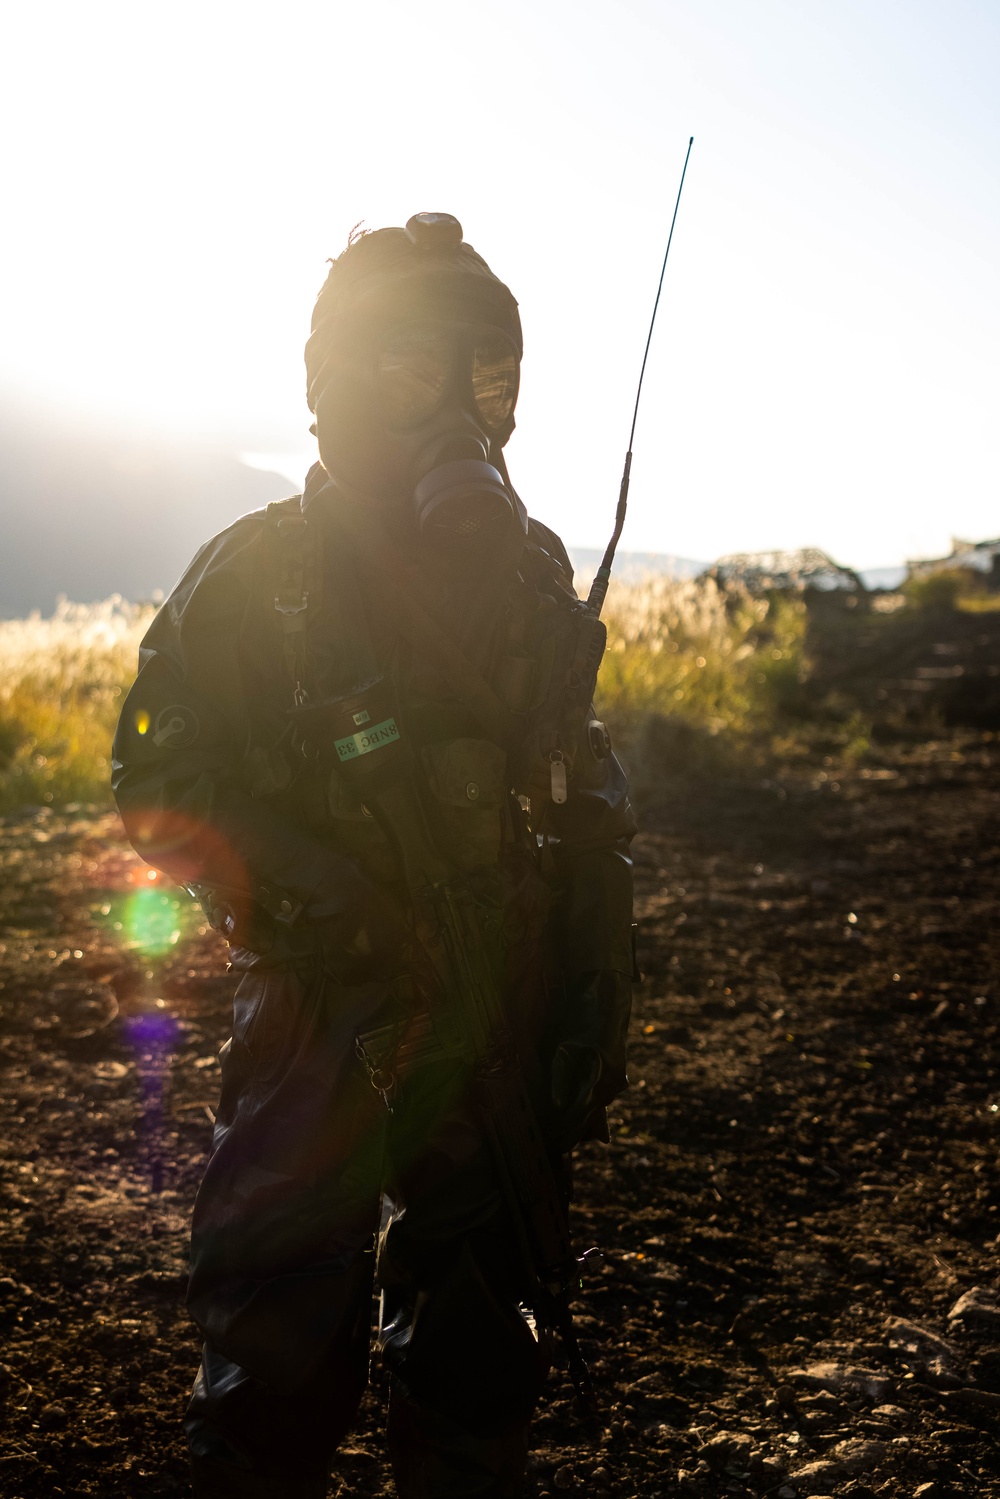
824 370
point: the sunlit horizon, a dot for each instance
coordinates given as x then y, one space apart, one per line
824 370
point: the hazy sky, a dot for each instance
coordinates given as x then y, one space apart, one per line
825 369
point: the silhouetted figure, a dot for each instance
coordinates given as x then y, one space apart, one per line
403 611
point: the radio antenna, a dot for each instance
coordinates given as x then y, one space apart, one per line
599 587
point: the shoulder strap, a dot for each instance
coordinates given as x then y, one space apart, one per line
299 573
547 560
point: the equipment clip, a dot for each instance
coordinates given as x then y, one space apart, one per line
557 775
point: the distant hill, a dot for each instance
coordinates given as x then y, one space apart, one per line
88 513
632 567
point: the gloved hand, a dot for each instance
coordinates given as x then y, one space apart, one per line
361 933
588 1063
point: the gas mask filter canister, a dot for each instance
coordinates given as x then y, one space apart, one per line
459 495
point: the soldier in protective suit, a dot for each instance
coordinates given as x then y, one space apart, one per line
409 563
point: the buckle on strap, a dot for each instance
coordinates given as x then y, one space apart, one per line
289 606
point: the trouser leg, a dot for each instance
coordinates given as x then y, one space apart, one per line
282 1243
435 1456
248 1440
466 1369
464 1388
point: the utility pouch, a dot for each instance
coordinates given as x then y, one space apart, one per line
545 751
467 782
356 832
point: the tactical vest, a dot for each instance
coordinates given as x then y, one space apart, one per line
493 741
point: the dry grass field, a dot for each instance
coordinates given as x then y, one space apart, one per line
722 661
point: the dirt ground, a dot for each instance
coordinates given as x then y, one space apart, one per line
799 1208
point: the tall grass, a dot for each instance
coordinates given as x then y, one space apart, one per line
697 676
717 660
61 684
966 589
716 656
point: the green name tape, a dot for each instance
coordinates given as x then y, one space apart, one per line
386 732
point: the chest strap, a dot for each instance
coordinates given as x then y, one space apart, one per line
299 571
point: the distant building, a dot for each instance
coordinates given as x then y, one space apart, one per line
795 571
978 556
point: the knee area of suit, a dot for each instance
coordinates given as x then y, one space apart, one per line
466 1351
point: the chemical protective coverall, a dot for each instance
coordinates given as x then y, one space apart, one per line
225 784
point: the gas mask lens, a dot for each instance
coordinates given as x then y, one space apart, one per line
417 367
494 378
411 374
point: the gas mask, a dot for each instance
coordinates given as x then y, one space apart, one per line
448 390
414 379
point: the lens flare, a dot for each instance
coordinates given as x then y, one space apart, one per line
153 919
152 1036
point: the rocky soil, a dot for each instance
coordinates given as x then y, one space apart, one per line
799 1208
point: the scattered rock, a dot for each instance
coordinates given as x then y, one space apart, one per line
769 1470
971 1400
689 1478
787 1492
801 1264
924 1350
978 1308
727 1449
110 1071
822 1400
820 1471
357 1452
857 1455
865 1264
563 1478
890 1412
840 1377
